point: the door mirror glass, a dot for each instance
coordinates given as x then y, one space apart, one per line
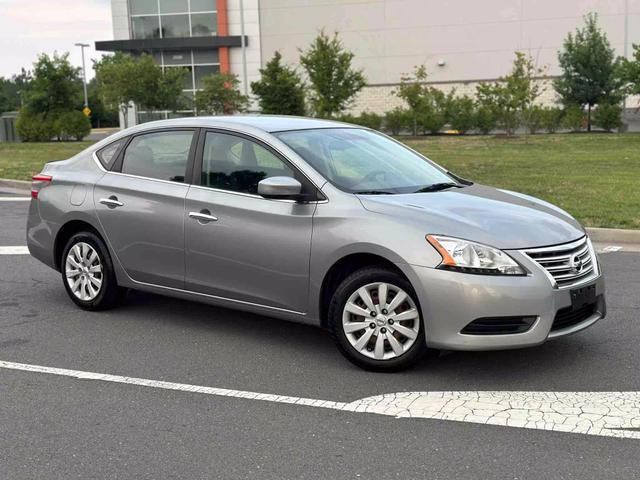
280 187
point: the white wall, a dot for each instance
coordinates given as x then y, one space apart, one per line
252 31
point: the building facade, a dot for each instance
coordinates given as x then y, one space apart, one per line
461 42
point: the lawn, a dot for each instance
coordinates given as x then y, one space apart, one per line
596 177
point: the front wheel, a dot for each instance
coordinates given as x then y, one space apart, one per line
87 272
374 317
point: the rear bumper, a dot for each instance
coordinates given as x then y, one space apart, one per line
451 300
40 236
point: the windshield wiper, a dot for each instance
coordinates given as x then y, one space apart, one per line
374 192
436 187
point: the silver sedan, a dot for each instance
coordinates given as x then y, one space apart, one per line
317 222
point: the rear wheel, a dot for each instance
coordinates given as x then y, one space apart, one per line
375 319
87 272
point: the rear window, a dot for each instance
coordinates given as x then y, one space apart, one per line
107 155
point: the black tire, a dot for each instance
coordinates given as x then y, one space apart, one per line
342 293
109 293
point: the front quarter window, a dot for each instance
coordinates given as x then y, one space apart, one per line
361 161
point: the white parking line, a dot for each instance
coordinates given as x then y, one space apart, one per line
610 414
15 199
15 250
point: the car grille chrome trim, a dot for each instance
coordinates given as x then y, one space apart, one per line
567 265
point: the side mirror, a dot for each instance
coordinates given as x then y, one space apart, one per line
280 188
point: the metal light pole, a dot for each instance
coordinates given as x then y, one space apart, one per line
84 73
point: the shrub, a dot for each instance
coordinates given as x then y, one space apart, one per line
573 118
431 119
397 120
369 120
485 119
551 119
35 127
72 125
608 116
534 119
462 112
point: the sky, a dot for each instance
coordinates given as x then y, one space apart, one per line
30 27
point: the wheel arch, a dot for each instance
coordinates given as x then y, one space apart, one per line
66 231
342 268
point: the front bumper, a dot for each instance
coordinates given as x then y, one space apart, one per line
451 300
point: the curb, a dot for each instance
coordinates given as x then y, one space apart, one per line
15 184
614 235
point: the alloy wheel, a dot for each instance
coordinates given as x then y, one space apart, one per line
83 271
381 321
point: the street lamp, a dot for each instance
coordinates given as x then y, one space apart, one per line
84 76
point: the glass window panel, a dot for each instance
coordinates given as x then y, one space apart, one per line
205 71
237 164
204 24
205 56
146 27
161 155
174 6
203 5
108 154
182 57
175 26
157 57
139 7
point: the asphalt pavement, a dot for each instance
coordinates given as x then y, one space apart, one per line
53 426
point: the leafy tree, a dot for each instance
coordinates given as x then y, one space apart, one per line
56 86
280 90
608 116
11 90
551 119
333 81
485 119
396 120
511 96
72 125
573 118
35 127
124 80
630 71
590 70
102 115
220 95
413 90
462 113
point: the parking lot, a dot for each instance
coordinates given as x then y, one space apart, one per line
201 392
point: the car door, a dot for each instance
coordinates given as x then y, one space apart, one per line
140 204
246 248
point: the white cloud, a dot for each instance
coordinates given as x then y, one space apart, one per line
31 27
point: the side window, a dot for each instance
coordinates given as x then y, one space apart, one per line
237 164
107 155
161 155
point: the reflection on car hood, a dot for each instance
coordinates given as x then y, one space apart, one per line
500 218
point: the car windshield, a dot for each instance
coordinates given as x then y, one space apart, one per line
361 161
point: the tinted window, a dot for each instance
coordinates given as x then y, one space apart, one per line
237 164
204 24
108 154
162 155
146 27
175 26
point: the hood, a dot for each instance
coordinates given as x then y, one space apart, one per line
499 218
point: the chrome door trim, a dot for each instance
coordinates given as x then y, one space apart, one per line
110 202
216 297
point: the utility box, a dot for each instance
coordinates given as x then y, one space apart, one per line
8 132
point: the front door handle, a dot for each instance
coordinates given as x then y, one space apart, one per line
111 202
203 216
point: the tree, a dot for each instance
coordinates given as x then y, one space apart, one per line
56 86
124 80
220 95
511 96
280 89
333 81
102 115
11 90
630 71
589 69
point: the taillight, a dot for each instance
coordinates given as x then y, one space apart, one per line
38 182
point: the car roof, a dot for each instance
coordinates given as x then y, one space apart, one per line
266 123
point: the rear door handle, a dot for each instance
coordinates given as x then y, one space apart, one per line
203 216
111 202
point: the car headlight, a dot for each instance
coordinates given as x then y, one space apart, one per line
470 257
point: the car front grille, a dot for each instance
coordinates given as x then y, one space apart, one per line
568 264
499 325
567 317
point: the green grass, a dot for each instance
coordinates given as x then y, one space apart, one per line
21 161
595 177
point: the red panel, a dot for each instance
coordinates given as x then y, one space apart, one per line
223 29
